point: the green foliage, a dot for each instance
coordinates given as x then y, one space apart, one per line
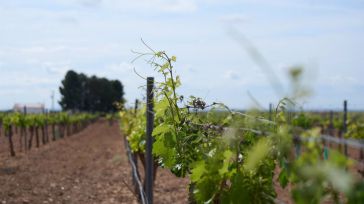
133 123
301 120
40 120
355 128
230 156
92 94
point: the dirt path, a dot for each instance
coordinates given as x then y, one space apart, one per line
89 167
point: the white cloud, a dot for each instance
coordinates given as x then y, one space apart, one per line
57 69
145 5
234 18
340 80
179 6
24 80
232 75
123 67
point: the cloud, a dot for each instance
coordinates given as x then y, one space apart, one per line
121 67
233 18
179 6
231 75
25 81
174 6
340 80
118 69
56 69
36 50
90 3
69 20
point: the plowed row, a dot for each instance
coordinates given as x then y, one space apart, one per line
88 167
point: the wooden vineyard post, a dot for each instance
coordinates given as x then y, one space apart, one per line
331 125
136 106
37 136
10 137
46 126
149 142
25 130
42 129
297 145
53 126
270 111
345 125
31 129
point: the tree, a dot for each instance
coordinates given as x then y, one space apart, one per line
70 90
118 90
82 93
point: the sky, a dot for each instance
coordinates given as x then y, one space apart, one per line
216 44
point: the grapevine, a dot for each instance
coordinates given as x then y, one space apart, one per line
226 159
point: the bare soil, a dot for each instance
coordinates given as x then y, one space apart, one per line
88 167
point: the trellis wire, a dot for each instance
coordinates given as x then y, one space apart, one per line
135 173
359 144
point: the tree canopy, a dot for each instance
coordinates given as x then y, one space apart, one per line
80 92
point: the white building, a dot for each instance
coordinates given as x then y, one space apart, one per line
29 108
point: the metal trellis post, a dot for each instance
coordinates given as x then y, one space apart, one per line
149 142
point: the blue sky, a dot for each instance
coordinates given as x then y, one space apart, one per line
41 40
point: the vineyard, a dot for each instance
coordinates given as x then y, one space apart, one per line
88 167
237 157
189 150
181 102
41 128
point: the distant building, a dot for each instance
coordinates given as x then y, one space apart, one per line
29 108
